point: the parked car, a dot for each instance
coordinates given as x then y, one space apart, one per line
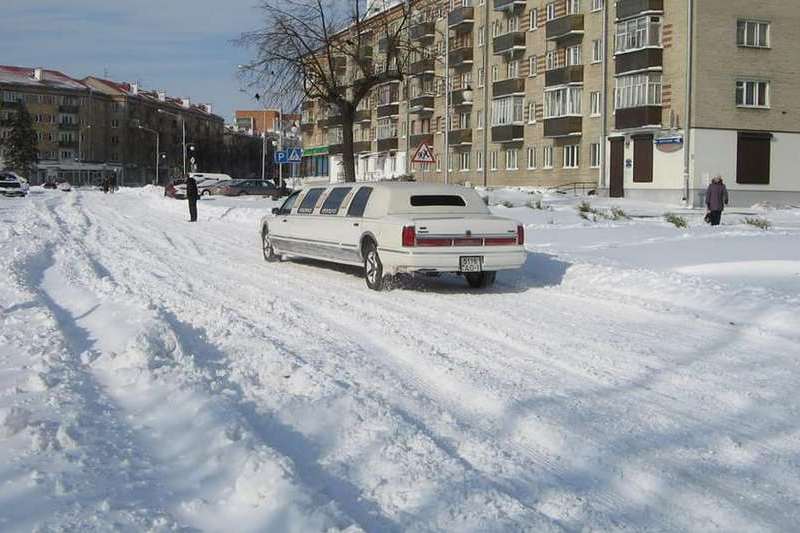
13 185
217 187
171 189
252 187
64 186
394 227
50 185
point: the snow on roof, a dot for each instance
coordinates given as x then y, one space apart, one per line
49 78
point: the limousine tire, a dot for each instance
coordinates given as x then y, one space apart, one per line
266 247
480 280
373 268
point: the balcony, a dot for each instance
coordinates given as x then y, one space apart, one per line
637 117
308 104
508 133
509 43
564 75
422 104
70 109
383 45
335 149
306 126
644 59
365 52
359 147
333 120
423 31
631 8
420 138
457 98
424 66
461 19
564 27
509 5
388 144
339 63
64 126
459 137
508 87
563 126
67 144
363 115
460 57
389 110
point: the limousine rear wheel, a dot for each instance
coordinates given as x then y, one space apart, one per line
373 268
480 280
269 252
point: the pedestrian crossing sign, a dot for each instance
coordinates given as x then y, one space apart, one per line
424 154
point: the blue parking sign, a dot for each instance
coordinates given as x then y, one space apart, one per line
281 156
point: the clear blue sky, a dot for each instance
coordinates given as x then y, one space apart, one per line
181 46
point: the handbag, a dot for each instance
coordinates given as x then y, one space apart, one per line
707 218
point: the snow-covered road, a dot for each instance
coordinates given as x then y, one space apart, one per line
158 374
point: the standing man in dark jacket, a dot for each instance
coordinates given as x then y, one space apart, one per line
192 196
716 200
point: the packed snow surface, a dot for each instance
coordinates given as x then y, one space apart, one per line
159 375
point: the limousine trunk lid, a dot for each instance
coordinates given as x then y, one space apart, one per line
464 226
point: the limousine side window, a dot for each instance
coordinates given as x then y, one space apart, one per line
310 200
359 203
286 208
334 200
428 200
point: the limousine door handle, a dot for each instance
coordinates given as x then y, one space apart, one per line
355 224
284 220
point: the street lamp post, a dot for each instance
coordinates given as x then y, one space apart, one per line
183 134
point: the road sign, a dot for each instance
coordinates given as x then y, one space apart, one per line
424 154
281 156
295 155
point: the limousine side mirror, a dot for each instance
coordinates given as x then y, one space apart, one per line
276 210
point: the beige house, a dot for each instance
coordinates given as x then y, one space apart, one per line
591 91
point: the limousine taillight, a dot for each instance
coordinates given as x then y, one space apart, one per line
411 240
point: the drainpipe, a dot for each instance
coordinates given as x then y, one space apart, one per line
447 104
687 120
604 101
408 80
485 156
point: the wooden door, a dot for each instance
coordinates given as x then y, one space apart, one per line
617 168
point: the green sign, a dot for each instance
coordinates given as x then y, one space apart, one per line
319 150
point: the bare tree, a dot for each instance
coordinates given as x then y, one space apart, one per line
311 50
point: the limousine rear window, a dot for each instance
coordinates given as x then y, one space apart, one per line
429 200
334 200
359 203
308 203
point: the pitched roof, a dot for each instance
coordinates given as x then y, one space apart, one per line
50 78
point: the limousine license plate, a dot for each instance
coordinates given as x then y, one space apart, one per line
470 263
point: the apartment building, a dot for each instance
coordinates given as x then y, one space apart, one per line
587 90
92 128
258 121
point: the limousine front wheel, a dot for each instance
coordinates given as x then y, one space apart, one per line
373 268
269 252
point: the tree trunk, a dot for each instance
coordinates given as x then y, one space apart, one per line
348 157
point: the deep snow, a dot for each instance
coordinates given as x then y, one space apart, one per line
159 375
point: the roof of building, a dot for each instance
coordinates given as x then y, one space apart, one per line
49 78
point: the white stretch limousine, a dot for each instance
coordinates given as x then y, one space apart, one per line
392 227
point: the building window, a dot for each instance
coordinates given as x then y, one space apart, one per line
481 75
594 149
115 140
479 118
548 157
492 160
494 72
638 90
480 36
512 24
512 69
551 60
574 55
531 112
752 94
464 161
562 102
507 110
753 158
551 11
597 51
638 33
387 128
573 7
595 103
752 34
597 5
531 157
572 156
533 23
533 66
479 160
464 120
511 159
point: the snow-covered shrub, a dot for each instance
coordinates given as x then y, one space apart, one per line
759 222
677 221
617 213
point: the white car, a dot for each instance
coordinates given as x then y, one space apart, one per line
205 182
394 227
12 184
64 186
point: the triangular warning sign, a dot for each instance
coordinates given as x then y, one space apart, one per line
424 154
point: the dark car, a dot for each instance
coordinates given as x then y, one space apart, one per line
252 187
50 185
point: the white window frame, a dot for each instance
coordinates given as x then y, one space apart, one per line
574 55
493 160
759 39
533 66
508 110
533 22
751 91
597 51
464 161
572 156
595 104
531 112
573 7
597 5
638 33
547 157
479 119
638 90
563 102
551 11
479 160
531 157
594 151
512 159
